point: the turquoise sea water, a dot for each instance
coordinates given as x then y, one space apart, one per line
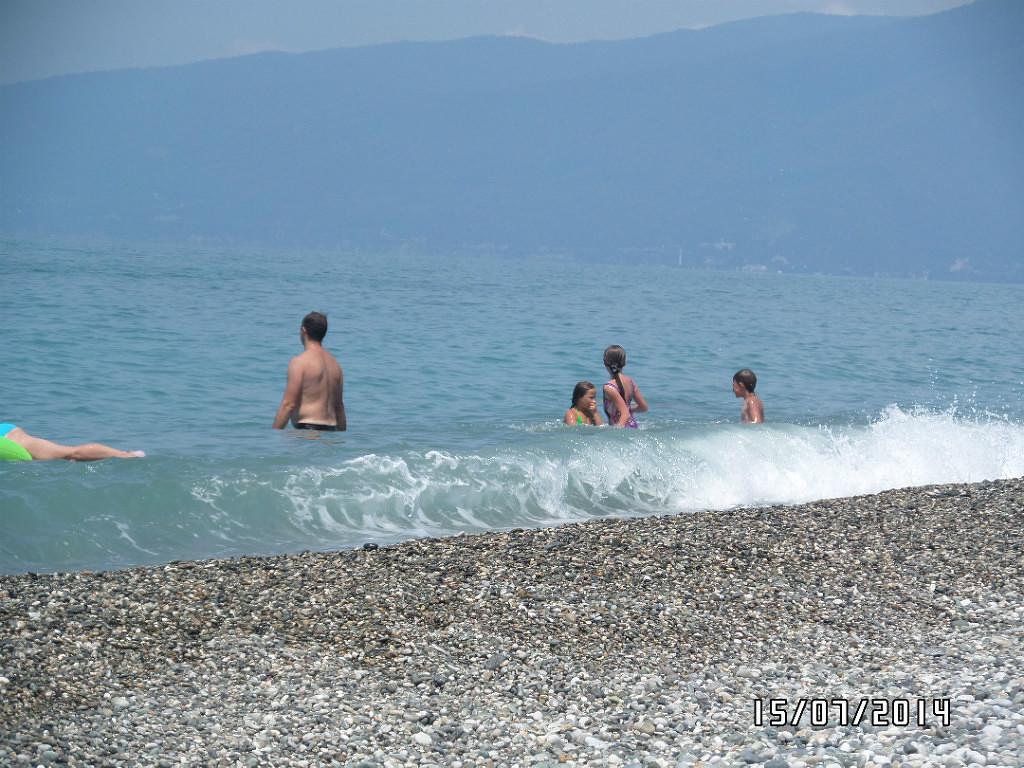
458 370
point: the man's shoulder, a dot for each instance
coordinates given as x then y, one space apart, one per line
302 360
331 358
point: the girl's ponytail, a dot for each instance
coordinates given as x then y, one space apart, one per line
618 381
615 361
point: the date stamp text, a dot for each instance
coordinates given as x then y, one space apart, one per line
840 711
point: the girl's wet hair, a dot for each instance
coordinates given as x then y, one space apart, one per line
615 361
581 388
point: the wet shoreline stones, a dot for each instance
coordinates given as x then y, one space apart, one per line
638 642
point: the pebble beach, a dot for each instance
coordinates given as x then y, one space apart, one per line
656 641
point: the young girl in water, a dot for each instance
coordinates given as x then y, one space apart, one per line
621 392
584 406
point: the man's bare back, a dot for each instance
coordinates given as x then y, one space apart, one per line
313 397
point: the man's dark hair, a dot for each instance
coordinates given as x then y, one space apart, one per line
315 324
747 378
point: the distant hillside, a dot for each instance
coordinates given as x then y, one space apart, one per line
802 143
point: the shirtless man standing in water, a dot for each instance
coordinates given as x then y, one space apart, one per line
313 396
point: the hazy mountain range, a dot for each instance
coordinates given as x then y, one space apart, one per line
803 143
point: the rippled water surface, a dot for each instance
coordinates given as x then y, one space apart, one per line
458 370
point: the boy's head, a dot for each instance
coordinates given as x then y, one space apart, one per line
743 382
315 326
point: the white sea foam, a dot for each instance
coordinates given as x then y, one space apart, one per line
735 466
539 479
577 476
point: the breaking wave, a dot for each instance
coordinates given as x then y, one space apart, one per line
168 509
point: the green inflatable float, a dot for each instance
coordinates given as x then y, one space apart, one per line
10 450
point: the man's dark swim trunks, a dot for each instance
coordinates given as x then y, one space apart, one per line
318 427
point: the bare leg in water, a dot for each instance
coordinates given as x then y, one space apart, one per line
45 450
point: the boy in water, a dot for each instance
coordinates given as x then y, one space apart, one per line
743 384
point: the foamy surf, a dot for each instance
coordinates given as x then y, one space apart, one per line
203 509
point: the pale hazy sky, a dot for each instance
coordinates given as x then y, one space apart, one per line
40 38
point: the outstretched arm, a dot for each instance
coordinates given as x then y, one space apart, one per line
290 399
